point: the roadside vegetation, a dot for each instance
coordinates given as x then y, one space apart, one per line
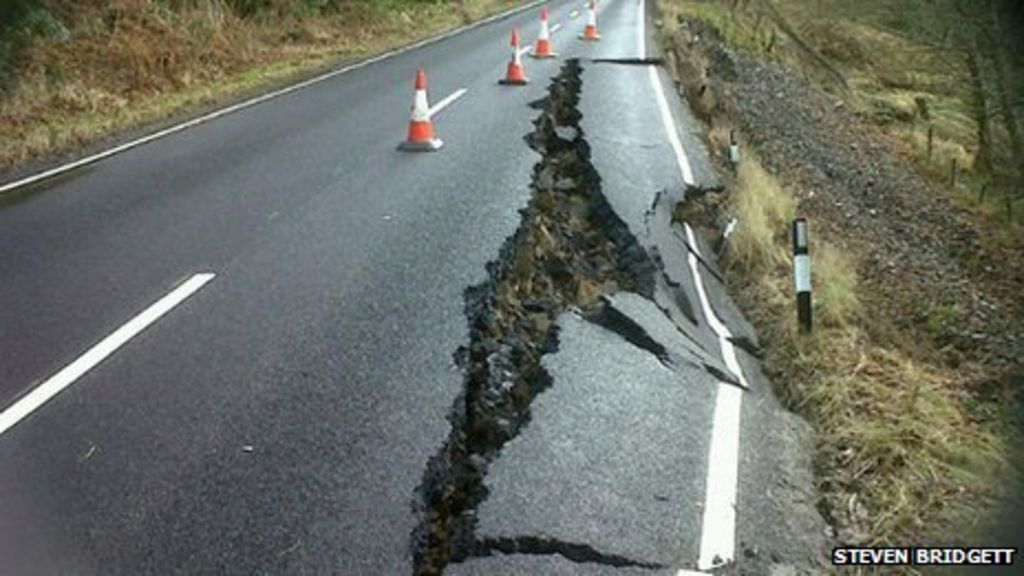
951 68
74 72
917 437
898 450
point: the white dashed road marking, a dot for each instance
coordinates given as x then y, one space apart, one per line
72 372
437 108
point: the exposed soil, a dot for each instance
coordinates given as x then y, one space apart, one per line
568 251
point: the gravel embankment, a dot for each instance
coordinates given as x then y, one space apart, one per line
918 252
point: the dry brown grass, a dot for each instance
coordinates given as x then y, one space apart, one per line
131 62
898 458
903 454
765 210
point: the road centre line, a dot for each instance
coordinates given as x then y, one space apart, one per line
93 158
92 357
437 108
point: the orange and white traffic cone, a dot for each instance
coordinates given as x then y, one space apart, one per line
542 49
515 75
421 128
590 32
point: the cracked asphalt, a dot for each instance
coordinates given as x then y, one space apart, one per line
279 420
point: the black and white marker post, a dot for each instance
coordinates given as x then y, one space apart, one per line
802 273
734 150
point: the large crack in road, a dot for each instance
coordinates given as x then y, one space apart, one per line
569 250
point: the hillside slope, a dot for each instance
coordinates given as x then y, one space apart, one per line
913 373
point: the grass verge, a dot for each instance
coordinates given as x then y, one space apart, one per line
899 458
910 449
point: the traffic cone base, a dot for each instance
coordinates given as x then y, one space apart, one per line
514 76
590 34
542 50
421 146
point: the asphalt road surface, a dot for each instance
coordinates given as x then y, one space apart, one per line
275 412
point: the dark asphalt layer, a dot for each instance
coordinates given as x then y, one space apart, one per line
615 456
547 565
777 524
323 346
614 460
325 342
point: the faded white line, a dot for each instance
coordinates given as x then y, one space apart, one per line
718 533
253 101
437 108
555 28
72 372
524 50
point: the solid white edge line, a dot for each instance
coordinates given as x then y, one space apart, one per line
92 357
670 127
257 100
718 527
641 40
437 108
718 531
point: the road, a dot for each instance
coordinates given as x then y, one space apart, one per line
279 417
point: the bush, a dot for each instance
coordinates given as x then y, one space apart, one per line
20 20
